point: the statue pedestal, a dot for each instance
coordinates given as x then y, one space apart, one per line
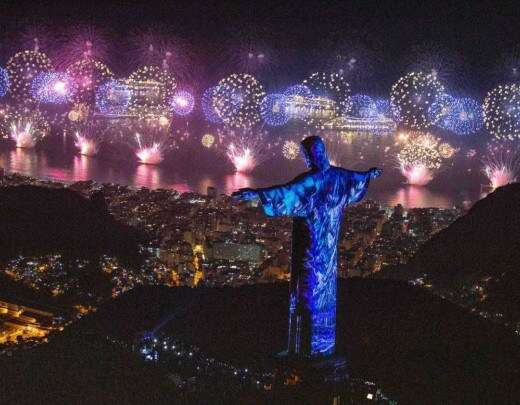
330 370
326 379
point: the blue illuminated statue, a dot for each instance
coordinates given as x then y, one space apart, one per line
316 200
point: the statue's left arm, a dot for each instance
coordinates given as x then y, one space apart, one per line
358 183
291 199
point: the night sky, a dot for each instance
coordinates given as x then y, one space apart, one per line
475 42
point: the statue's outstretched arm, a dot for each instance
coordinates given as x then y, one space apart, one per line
290 199
371 173
358 182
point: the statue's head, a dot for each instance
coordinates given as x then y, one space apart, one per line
315 153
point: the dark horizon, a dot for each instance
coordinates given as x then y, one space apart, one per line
476 45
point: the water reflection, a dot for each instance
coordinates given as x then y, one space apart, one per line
59 174
25 161
70 168
82 168
236 181
184 188
420 197
147 176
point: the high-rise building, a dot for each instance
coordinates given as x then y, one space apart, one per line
211 192
247 252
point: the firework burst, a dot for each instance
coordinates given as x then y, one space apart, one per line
88 74
466 117
89 135
446 151
78 118
113 98
329 85
249 54
418 163
440 112
169 52
246 148
501 109
425 139
38 37
4 82
152 88
384 109
149 154
22 68
27 127
437 61
52 88
501 164
361 106
86 146
150 139
207 140
298 90
182 102
208 108
237 99
351 59
82 43
272 109
242 157
412 95
147 47
290 150
149 148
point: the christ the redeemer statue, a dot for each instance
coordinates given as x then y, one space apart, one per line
316 200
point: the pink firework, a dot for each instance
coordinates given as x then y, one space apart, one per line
86 146
499 175
27 127
417 175
149 150
23 135
182 102
170 53
150 139
246 148
150 155
242 158
39 38
89 135
501 164
82 42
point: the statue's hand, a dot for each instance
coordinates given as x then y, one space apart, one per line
245 194
375 172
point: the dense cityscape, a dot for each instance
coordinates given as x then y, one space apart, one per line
213 241
210 240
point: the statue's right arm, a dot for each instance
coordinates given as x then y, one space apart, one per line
291 199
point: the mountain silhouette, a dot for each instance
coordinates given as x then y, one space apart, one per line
418 347
40 220
479 254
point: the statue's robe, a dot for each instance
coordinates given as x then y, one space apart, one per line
316 199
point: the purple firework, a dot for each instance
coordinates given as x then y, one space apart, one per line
182 102
52 88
